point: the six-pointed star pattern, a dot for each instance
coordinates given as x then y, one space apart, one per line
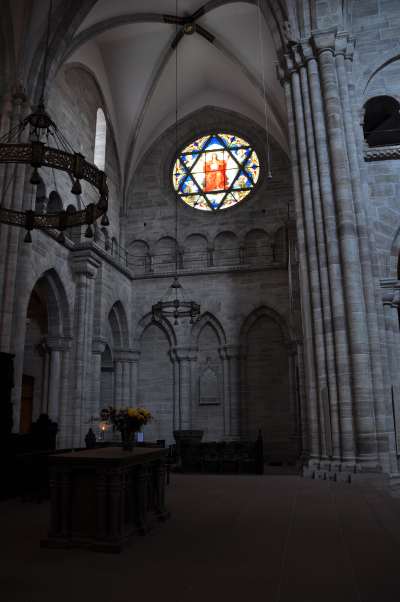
215 172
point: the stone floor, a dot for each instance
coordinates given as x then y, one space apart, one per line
230 539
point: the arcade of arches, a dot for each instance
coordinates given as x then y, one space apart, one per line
298 284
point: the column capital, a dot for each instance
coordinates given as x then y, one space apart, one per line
338 43
133 356
125 355
98 345
59 343
85 261
351 45
341 43
324 41
232 351
307 51
390 289
182 353
289 67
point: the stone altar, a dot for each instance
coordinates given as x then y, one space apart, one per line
101 497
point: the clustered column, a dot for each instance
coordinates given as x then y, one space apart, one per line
85 265
183 410
12 185
233 357
390 289
122 383
343 369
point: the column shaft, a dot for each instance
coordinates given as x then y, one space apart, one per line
312 435
354 304
342 359
54 384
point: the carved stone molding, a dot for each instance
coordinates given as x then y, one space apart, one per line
390 292
382 153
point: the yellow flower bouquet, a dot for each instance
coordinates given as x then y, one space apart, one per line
127 421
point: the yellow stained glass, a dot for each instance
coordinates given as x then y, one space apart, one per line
216 171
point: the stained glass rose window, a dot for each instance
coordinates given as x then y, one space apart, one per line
215 172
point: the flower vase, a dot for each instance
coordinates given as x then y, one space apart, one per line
128 439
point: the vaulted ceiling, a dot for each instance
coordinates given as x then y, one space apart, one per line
129 46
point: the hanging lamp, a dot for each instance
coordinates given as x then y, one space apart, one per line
174 303
59 157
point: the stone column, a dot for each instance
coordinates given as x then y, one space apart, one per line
226 392
358 338
390 289
134 357
53 402
10 236
45 354
118 400
210 257
176 410
85 265
65 415
184 356
342 354
122 375
344 54
232 353
335 288
304 221
98 347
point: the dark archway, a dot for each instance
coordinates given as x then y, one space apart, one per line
47 326
382 121
267 403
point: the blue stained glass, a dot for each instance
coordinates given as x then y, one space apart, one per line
189 186
213 141
215 172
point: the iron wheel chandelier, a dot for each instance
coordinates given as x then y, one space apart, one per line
59 157
174 303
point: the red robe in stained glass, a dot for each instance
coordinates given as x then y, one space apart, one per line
215 174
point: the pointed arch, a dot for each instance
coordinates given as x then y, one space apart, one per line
392 267
208 319
145 322
59 315
119 326
269 313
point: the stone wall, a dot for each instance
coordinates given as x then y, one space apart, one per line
375 25
232 262
73 102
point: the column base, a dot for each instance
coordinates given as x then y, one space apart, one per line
357 471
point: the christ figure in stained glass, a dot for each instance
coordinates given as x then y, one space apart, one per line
215 174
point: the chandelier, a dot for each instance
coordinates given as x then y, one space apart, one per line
174 303
47 147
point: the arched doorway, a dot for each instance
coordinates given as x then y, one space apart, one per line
156 382
34 395
117 381
45 365
267 403
209 411
107 379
